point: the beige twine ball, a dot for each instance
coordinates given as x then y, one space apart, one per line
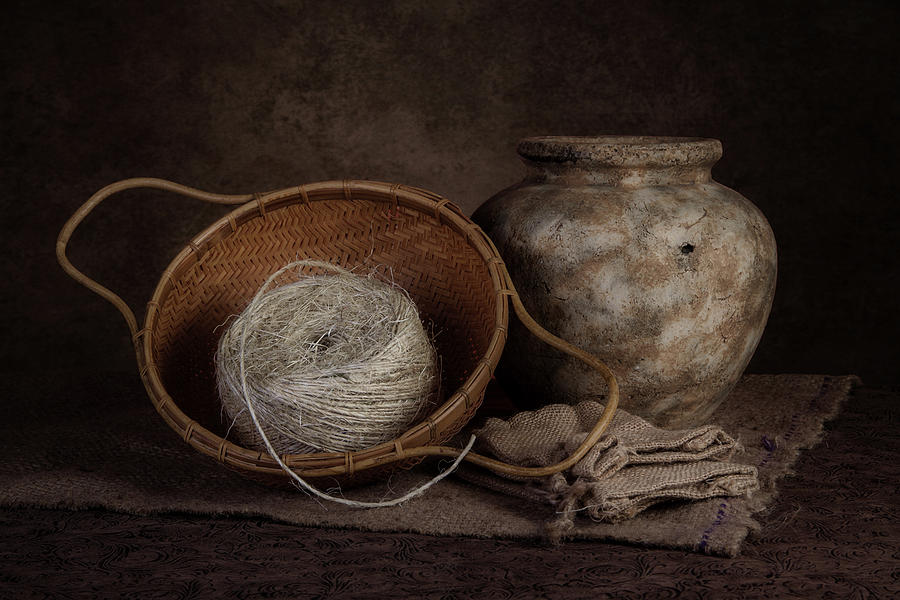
331 362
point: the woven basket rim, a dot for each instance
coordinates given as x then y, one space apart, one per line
427 431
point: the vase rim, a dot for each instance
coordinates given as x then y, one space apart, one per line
621 150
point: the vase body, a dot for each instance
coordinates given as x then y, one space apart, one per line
625 247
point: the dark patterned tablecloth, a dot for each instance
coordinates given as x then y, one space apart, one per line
833 533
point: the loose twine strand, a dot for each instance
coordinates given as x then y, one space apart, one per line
245 389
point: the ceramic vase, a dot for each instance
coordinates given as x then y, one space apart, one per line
626 247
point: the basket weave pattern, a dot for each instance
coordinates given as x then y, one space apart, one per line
400 231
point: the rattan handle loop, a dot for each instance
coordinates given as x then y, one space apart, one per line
138 182
612 402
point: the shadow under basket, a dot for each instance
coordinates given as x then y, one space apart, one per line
417 239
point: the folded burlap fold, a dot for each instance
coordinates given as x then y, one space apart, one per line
634 465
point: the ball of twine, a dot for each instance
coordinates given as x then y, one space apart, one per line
331 362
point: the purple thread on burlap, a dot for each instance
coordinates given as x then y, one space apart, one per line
771 446
720 516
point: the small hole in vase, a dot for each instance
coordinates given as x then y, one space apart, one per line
687 248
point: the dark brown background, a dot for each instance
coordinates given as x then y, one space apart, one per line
241 96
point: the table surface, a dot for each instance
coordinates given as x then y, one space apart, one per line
834 531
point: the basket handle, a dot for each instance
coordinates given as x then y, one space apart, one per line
114 188
600 427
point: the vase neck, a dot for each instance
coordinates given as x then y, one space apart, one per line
626 161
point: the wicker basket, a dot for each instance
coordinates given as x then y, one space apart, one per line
449 267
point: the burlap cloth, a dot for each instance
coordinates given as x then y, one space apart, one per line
76 440
634 465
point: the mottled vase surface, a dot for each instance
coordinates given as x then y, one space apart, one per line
626 247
